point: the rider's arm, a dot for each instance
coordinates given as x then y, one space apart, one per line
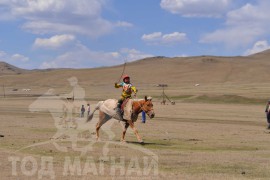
267 107
133 88
117 85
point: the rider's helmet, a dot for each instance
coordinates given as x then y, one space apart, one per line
125 77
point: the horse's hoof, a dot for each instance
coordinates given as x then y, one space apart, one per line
141 142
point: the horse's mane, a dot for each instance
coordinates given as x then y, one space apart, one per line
137 100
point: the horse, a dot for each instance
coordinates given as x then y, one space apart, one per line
107 111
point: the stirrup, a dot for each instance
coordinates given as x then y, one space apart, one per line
119 114
119 110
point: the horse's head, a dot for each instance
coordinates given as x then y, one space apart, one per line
147 107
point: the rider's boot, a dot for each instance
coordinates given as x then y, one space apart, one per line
119 112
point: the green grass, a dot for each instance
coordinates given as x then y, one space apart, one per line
196 146
180 97
225 168
226 99
216 99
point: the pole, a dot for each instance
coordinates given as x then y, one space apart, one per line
73 96
163 96
4 90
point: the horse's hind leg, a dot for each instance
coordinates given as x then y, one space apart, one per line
99 123
103 118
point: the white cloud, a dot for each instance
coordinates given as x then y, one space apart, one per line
157 38
82 57
133 54
56 41
49 65
123 24
57 7
243 26
16 59
196 8
174 37
19 57
259 46
2 54
237 36
61 16
91 28
152 37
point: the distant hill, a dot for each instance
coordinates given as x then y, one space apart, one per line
6 68
155 70
261 55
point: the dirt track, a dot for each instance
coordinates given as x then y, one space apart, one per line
191 141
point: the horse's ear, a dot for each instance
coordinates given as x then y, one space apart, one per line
145 98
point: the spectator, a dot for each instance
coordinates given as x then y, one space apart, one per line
143 117
88 109
82 111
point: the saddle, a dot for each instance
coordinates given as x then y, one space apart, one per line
124 104
127 109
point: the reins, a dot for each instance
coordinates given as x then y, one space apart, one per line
141 106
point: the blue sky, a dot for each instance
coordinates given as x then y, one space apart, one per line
92 33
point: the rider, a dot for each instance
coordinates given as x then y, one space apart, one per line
126 93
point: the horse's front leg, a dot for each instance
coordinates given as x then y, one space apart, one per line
135 131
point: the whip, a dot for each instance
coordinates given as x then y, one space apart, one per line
122 71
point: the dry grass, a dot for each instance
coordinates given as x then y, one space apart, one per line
193 140
215 131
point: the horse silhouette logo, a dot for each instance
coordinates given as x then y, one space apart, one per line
65 110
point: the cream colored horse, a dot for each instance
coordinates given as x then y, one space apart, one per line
107 111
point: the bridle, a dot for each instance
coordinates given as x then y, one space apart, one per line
142 108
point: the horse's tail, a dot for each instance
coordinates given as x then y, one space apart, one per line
90 117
